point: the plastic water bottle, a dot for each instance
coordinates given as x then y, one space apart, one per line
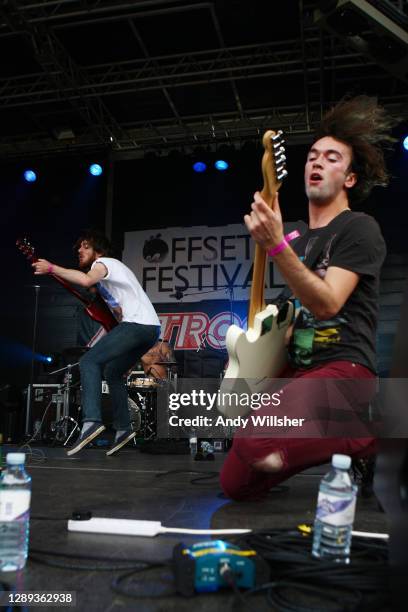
336 505
15 496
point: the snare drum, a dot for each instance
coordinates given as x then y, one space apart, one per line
142 383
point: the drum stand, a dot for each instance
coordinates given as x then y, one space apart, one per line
61 426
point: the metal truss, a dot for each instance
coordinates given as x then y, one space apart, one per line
316 58
163 137
61 74
182 70
55 12
62 11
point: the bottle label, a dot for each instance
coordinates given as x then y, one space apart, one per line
336 510
14 504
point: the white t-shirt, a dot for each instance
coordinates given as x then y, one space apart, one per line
124 295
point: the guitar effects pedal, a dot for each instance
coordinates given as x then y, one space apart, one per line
209 566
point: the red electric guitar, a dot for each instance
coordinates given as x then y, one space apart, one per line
97 309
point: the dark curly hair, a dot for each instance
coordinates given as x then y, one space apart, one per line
97 240
363 125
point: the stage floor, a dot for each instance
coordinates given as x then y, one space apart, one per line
136 485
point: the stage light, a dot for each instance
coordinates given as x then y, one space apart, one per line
199 167
43 358
405 143
30 176
221 165
95 169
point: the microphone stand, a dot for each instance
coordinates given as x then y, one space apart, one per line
34 338
33 343
229 289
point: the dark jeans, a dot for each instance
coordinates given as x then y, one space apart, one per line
110 359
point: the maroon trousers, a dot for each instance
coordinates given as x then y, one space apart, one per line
241 481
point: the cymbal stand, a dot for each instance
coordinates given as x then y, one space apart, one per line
62 423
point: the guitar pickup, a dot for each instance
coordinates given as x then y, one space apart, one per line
283 313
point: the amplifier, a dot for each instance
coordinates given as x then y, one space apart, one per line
44 406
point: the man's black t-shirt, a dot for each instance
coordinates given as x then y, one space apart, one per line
355 245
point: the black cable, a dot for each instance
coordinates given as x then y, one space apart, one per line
204 474
288 554
83 566
343 588
230 578
120 588
277 598
36 555
209 476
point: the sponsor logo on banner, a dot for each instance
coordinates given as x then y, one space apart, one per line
192 330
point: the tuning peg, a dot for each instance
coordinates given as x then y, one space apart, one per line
277 135
279 151
281 159
282 175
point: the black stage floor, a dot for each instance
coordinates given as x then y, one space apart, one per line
135 485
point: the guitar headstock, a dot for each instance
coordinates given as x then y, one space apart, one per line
23 244
273 164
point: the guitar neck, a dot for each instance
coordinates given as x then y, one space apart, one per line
257 299
65 284
74 292
95 308
269 190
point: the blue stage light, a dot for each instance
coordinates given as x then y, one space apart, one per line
221 165
43 358
30 176
95 169
199 167
405 143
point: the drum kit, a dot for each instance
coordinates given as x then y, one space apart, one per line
142 392
137 379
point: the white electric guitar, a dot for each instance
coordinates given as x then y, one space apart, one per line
259 353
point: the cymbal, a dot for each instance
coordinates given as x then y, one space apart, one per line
165 363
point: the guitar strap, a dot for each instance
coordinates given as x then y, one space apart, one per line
338 223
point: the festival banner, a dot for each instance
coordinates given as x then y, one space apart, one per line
198 263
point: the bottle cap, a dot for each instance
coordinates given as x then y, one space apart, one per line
15 458
342 462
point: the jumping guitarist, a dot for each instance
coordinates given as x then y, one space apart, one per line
333 336
111 357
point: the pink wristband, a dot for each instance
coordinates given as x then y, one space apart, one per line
285 242
282 245
50 269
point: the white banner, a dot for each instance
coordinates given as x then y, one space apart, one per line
197 263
